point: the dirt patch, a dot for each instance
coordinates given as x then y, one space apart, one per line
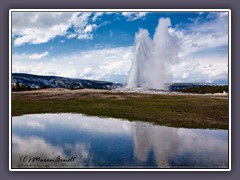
64 94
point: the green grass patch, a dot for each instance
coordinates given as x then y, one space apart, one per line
175 111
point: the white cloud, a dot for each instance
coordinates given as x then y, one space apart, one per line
132 16
80 22
37 28
204 35
71 35
105 64
96 15
38 56
86 33
201 69
40 27
201 58
114 64
99 14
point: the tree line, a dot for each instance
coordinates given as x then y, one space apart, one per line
204 89
21 87
26 87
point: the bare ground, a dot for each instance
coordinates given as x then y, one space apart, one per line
63 94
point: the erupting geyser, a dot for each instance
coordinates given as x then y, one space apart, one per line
153 57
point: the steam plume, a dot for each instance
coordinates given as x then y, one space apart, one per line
153 57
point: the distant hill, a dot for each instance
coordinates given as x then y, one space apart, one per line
37 81
21 82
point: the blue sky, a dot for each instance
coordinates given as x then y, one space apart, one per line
100 45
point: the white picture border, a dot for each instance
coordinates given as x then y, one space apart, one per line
118 10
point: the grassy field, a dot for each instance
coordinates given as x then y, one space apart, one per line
190 111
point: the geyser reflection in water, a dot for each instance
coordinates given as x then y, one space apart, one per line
153 57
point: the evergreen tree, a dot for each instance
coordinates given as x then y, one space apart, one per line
28 87
18 87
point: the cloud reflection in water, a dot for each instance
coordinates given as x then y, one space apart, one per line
108 142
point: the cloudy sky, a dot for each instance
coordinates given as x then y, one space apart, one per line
100 45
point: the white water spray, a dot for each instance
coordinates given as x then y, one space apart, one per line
153 57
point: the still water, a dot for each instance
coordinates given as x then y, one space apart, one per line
79 141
